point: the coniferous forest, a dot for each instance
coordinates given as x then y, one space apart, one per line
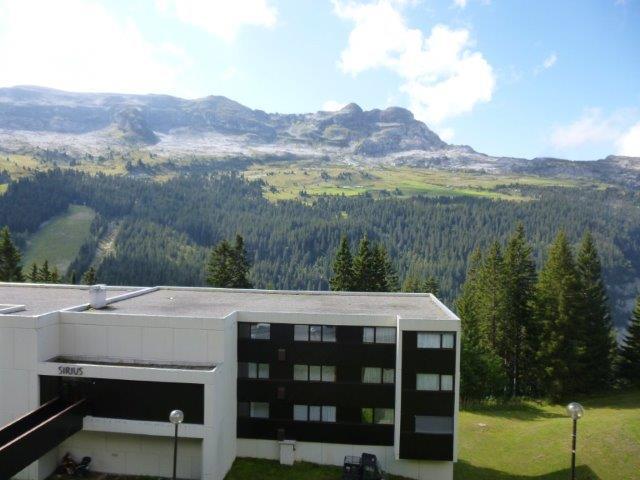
164 232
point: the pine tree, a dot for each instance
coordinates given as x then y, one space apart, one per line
342 279
598 349
34 275
45 274
219 268
492 300
73 277
557 310
90 277
55 276
431 285
481 371
521 334
228 266
240 265
385 278
412 284
364 268
10 268
629 358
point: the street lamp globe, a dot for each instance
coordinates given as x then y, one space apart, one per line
176 417
575 410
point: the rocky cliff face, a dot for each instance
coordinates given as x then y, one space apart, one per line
368 133
216 126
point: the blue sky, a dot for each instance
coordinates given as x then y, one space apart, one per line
508 77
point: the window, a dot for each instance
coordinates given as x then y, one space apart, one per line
314 413
385 335
328 333
388 375
368 335
253 409
328 414
378 416
260 331
446 383
314 373
428 381
379 335
428 340
300 413
436 340
328 373
259 410
377 375
301 372
448 340
253 370
434 425
434 382
314 333
371 375
301 333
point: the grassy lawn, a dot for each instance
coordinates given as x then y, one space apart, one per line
286 180
60 239
524 441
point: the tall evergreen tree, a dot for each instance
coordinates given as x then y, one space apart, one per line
629 358
412 284
431 285
34 274
481 370
598 348
364 271
240 265
228 267
219 267
90 277
521 334
385 278
492 300
45 273
10 268
557 309
343 278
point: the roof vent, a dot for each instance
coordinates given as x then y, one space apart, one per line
98 296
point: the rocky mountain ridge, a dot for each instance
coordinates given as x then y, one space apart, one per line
215 126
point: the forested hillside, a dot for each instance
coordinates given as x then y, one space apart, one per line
162 232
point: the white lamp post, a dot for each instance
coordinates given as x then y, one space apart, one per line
176 417
576 412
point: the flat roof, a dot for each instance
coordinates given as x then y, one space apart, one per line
218 303
39 298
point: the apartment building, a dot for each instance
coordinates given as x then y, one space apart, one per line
294 376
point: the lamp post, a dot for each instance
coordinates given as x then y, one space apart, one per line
575 411
176 417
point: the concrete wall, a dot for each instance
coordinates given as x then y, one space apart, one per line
129 454
333 454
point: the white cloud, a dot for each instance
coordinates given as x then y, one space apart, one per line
332 106
446 134
79 45
460 3
629 143
550 61
595 128
222 18
547 63
441 74
591 128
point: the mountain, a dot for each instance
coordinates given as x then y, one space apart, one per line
215 126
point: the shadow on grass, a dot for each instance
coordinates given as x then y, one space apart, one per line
519 410
466 471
